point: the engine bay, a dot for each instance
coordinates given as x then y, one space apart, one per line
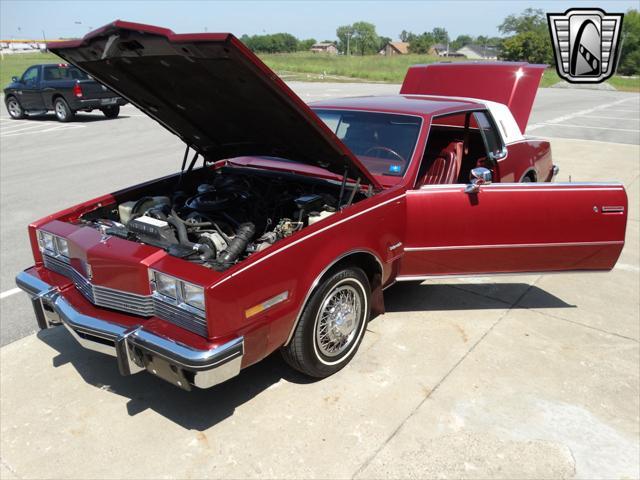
218 218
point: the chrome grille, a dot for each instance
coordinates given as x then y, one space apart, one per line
143 305
180 317
102 296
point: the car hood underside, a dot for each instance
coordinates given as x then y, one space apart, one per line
212 92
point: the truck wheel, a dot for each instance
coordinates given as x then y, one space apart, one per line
332 325
62 110
14 108
111 112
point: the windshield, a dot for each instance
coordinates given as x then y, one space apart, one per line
383 142
63 72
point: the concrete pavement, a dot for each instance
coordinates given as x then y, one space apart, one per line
507 377
47 166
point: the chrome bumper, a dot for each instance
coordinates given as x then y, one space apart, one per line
135 348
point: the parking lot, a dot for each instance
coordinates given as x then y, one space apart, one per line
525 376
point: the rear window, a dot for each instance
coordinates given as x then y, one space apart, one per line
62 72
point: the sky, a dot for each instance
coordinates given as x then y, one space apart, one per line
304 19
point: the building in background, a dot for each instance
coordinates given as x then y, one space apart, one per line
478 52
395 48
324 47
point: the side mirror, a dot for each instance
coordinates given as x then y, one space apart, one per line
15 79
479 176
495 156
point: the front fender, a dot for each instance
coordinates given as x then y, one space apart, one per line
295 266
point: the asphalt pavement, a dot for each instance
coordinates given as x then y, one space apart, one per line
512 377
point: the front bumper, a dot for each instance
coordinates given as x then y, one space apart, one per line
135 348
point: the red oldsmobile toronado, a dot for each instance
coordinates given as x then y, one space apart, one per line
286 221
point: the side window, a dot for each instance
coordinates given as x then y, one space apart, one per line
31 75
489 134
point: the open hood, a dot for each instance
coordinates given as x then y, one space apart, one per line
513 84
211 91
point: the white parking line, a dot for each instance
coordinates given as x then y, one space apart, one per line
587 126
51 129
607 118
19 127
8 293
571 116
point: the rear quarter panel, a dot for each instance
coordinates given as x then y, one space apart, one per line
526 157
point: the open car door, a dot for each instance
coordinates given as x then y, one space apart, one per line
513 228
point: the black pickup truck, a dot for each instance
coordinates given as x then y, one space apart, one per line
62 88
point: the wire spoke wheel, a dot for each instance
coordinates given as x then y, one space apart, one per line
337 320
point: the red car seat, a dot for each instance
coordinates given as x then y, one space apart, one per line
445 167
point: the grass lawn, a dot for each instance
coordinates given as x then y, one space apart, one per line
318 67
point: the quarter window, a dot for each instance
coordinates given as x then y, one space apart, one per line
489 133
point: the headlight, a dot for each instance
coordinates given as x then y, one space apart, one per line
62 246
193 295
174 290
166 285
52 244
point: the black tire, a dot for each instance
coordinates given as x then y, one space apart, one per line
111 112
527 179
14 108
307 350
62 110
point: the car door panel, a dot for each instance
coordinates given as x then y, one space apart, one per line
512 228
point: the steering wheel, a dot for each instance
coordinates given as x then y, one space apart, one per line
385 149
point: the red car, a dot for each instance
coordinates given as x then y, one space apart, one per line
296 219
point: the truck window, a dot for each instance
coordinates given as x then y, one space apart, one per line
63 72
31 75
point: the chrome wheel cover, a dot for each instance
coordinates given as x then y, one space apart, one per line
337 320
14 108
60 110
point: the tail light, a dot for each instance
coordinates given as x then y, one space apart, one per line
77 90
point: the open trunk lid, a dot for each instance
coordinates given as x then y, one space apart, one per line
513 84
211 91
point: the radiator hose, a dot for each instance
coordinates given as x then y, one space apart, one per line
236 247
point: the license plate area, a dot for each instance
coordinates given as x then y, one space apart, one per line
108 101
167 371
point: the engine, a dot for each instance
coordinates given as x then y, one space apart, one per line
221 221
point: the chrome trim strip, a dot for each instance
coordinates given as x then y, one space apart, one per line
513 245
209 367
413 278
317 281
582 186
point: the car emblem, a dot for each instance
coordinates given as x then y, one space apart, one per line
585 43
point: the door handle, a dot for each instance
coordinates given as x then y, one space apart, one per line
612 209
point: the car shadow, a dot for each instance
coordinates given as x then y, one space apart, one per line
202 409
415 296
197 410
79 118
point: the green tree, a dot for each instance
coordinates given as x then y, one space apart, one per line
461 41
345 35
529 40
630 51
304 45
527 46
365 37
404 36
531 20
422 43
440 35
